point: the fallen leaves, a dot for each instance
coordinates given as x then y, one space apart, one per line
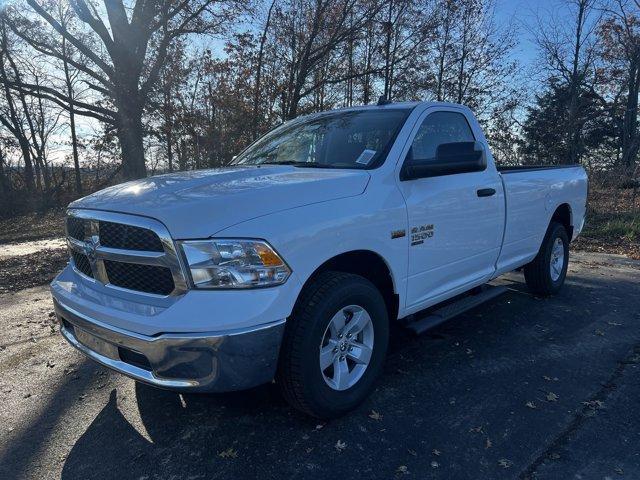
530 405
24 271
505 463
375 415
552 397
228 453
340 446
594 404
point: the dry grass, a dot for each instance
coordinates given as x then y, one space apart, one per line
613 223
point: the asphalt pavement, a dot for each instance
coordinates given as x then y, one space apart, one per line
521 387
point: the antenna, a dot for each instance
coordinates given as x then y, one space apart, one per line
383 101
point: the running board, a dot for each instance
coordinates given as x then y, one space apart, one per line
453 309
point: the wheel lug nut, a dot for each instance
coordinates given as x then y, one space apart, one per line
351 349
335 350
348 335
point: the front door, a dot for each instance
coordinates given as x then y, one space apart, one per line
455 231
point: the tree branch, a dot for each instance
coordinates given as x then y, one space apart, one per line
73 40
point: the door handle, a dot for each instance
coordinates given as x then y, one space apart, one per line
486 192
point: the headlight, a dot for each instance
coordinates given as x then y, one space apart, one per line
234 264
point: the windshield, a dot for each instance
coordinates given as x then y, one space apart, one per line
357 139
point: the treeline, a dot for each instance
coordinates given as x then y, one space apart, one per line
98 92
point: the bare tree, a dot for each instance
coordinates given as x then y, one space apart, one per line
259 67
620 36
125 48
570 52
70 77
313 30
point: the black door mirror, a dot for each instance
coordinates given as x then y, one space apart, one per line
451 158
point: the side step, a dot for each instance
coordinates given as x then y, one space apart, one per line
455 308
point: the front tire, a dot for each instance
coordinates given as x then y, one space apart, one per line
546 273
334 345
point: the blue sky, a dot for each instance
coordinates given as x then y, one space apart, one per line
523 14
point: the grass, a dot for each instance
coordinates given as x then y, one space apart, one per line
622 226
613 223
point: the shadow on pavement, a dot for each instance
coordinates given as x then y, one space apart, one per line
468 400
26 444
182 429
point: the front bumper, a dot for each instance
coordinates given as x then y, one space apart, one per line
197 362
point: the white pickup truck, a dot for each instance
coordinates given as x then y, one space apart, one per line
291 262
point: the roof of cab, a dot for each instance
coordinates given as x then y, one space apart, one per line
389 106
360 108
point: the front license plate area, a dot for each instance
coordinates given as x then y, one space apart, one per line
96 344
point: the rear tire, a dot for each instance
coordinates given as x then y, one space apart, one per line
335 305
546 273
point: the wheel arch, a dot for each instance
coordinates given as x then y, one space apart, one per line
564 215
367 264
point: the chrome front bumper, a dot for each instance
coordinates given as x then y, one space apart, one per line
178 361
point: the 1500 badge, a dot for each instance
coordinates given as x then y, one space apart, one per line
421 233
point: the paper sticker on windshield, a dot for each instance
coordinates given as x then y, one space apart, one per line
365 157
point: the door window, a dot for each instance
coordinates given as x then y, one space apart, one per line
437 128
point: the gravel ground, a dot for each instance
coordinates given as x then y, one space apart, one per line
521 387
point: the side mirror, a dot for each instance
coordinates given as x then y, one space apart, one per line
450 159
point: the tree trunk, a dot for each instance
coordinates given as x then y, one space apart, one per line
74 148
387 52
366 89
573 130
130 134
72 118
256 95
630 137
28 164
182 155
442 55
168 124
5 185
170 150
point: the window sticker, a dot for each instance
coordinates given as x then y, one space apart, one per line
365 157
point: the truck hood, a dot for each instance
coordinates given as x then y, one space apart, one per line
200 203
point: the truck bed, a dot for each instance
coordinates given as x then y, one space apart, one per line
532 194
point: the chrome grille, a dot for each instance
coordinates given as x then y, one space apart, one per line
124 251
